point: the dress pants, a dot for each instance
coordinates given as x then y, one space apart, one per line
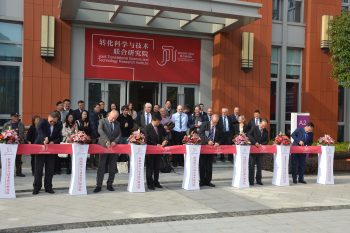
152 169
255 159
109 160
49 161
178 137
227 140
298 166
18 164
205 168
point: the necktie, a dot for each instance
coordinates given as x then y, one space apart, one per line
211 132
306 137
147 119
180 121
156 129
261 131
111 125
225 120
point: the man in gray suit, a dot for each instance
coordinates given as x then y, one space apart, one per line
110 134
144 117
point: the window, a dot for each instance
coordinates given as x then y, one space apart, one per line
341 113
294 11
276 10
275 59
9 89
345 5
10 42
292 98
293 63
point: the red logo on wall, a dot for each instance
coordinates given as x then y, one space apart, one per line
141 57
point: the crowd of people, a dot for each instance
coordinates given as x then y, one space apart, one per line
162 126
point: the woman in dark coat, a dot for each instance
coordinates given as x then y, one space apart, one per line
31 135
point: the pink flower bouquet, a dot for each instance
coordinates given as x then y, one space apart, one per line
326 140
241 139
192 139
9 136
137 138
79 137
282 139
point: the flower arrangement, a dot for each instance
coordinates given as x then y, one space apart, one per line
9 136
79 137
241 139
191 139
137 138
282 139
326 140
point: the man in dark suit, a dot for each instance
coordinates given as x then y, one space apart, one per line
226 126
195 120
110 134
235 116
155 135
208 116
144 117
48 132
202 110
210 134
103 111
168 108
254 121
258 135
301 137
77 112
94 117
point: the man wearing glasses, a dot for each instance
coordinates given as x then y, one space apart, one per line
49 132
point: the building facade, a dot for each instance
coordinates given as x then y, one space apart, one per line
180 50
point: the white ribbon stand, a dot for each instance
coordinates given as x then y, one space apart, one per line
325 165
191 169
137 169
281 162
78 178
240 177
8 159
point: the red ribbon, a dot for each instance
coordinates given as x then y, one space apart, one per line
27 149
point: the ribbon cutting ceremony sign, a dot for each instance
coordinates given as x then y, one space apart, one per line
240 177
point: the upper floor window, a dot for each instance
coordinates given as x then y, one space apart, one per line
345 5
294 11
293 63
10 42
276 10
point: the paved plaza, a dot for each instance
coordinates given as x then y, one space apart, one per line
268 208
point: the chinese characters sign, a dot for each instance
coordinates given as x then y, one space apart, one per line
141 57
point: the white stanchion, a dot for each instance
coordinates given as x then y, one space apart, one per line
281 162
137 162
240 177
78 178
8 159
325 165
191 167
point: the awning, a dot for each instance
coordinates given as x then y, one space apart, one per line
186 16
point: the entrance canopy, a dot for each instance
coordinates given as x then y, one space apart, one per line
186 16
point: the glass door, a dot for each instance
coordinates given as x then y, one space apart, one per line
107 91
180 94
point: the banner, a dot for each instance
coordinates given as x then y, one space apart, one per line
136 182
78 178
280 170
141 57
8 159
240 177
325 165
191 168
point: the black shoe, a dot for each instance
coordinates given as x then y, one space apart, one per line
175 164
251 184
69 171
302 181
201 184
49 191
295 182
157 185
110 188
35 191
259 183
20 175
211 185
97 189
151 187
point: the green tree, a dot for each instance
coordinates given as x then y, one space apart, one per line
340 48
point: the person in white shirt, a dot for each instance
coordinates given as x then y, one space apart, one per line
180 120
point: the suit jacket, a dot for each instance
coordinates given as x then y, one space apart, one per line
234 119
94 118
106 133
299 135
230 124
192 121
170 112
31 134
44 130
140 121
251 124
204 133
77 114
152 138
236 129
255 136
